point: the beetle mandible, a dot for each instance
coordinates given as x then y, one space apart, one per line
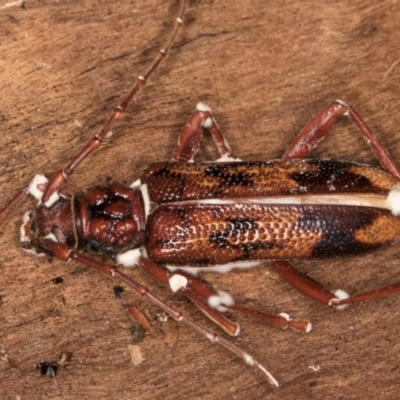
182 217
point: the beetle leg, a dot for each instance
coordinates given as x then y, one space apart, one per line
319 126
179 282
373 294
309 287
65 253
192 135
316 291
61 176
197 290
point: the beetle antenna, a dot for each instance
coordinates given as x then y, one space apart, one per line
61 176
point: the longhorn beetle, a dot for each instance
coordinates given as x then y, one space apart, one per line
182 217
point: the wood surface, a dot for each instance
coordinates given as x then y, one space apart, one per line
265 68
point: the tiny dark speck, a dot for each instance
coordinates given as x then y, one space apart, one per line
47 368
313 384
1 300
137 332
118 290
57 280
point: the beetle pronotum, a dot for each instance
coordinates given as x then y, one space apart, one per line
182 216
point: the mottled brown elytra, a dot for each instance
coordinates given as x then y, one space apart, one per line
181 217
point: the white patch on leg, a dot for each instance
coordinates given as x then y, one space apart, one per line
288 319
33 252
52 237
128 258
218 301
202 107
177 282
53 198
208 123
343 103
136 184
340 295
393 200
38 186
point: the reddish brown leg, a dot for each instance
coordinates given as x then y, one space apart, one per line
316 129
61 177
319 126
64 253
197 289
192 135
305 285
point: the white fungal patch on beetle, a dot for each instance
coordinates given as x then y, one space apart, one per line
136 184
288 318
228 159
220 300
340 295
343 103
208 123
38 186
129 258
53 198
202 107
177 282
224 268
146 200
52 237
308 327
393 200
33 252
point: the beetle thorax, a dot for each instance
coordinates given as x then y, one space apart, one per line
106 218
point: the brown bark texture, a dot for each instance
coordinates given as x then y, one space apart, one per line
265 68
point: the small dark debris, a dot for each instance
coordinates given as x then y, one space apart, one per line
118 290
47 368
1 300
137 332
54 312
313 383
50 368
58 280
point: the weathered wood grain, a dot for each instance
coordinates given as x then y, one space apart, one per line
265 68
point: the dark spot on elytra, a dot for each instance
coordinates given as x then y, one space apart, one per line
331 176
337 225
221 172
